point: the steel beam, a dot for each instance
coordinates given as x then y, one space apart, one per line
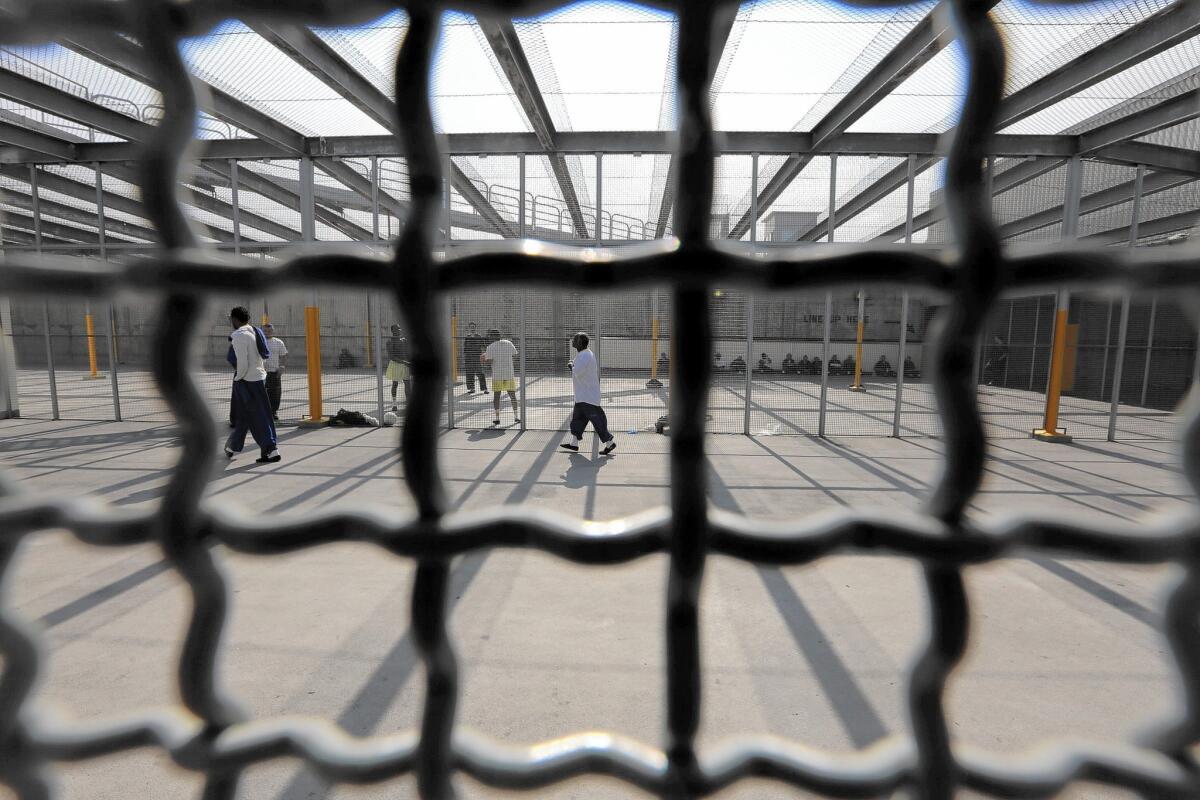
40 145
1161 31
922 43
1177 110
327 65
255 182
79 216
124 56
59 230
881 188
1009 179
582 142
1153 227
506 45
1153 156
54 101
1114 195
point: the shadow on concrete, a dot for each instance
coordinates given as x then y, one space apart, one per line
845 696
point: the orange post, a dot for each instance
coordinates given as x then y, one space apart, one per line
654 382
857 385
312 337
90 325
1049 431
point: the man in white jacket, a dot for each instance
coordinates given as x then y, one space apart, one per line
253 409
585 375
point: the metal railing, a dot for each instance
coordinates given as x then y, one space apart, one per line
209 734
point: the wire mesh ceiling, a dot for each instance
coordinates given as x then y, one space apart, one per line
208 733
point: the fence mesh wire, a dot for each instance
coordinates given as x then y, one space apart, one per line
210 736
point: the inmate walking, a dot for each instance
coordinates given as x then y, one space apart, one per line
585 376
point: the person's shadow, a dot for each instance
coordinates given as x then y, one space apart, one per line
583 471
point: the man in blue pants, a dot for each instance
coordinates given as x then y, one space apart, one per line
585 375
252 407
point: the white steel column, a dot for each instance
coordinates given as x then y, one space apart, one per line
235 214
828 299
750 296
524 290
37 246
112 342
1123 332
377 338
908 232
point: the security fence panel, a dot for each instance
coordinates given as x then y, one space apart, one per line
786 385
1027 199
729 311
1013 365
1089 356
857 401
552 317
1160 362
914 368
485 199
477 320
631 199
550 215
79 340
33 353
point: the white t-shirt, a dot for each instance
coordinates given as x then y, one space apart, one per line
500 355
585 374
245 350
277 348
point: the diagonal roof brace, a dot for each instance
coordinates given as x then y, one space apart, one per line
327 65
502 36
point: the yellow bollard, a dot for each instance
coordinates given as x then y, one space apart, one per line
312 337
654 382
90 325
266 320
1049 432
857 386
454 351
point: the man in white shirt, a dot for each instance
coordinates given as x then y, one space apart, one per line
274 364
500 355
252 410
585 375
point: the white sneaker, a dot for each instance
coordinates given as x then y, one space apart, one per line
608 448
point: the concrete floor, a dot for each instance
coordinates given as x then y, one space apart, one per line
818 654
779 405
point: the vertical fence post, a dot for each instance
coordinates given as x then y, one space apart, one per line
377 337
749 361
832 220
1049 431
1008 343
599 195
525 289
112 318
521 356
902 349
1123 331
375 197
750 296
1149 349
312 313
112 362
235 214
858 341
37 247
1033 347
1107 341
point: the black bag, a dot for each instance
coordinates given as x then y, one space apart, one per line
344 417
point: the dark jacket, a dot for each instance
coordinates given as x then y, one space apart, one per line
473 347
397 350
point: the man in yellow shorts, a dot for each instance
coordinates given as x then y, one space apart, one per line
500 355
397 368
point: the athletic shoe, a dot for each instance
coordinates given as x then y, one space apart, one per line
574 448
516 421
228 452
269 458
608 448
495 422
